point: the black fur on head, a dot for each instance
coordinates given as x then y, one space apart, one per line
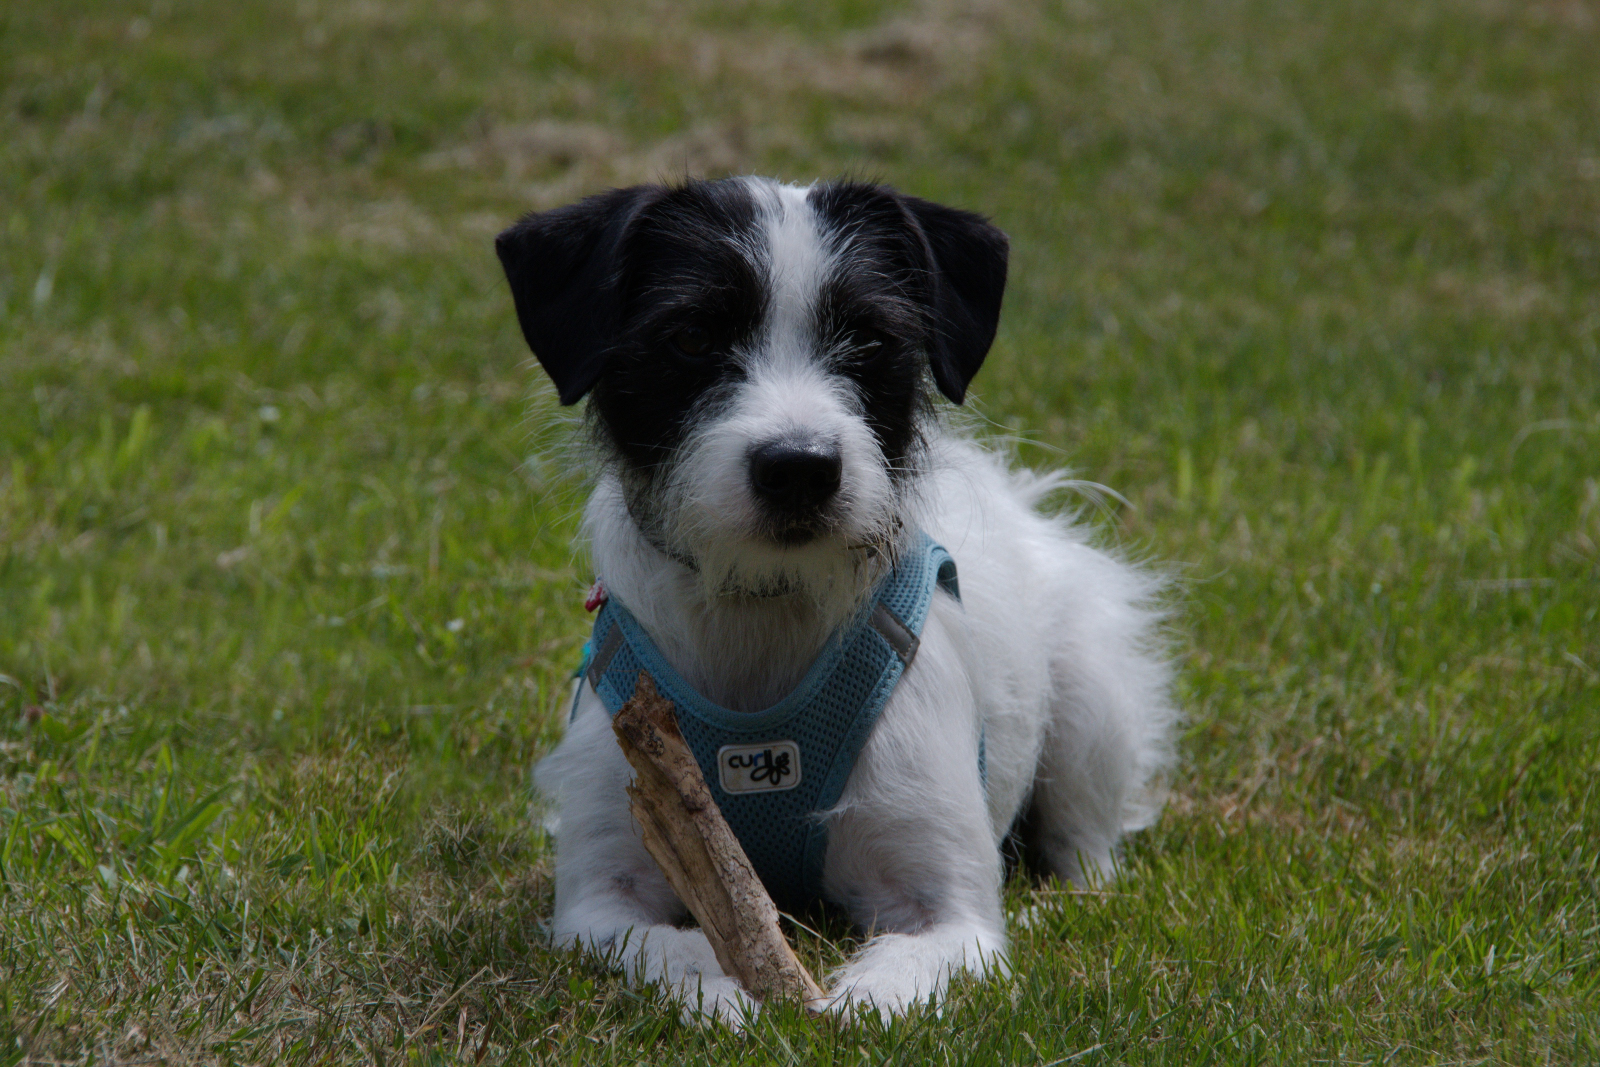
645 294
933 274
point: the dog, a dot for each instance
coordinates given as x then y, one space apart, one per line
761 361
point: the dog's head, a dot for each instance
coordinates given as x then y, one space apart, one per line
758 358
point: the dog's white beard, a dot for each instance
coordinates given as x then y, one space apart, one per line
826 574
832 574
705 515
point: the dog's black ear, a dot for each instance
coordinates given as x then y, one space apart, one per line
969 280
563 267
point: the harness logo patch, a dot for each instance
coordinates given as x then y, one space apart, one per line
764 768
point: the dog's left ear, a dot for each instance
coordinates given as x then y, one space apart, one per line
969 280
563 267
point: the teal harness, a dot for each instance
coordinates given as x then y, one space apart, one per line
772 771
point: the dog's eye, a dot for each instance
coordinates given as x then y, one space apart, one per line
692 341
869 342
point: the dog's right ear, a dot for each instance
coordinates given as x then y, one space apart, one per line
563 266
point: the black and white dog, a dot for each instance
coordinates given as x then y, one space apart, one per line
760 361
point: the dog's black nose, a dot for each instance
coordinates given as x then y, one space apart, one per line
795 476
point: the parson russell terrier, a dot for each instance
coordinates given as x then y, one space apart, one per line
885 655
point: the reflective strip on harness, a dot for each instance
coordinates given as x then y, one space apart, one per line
899 636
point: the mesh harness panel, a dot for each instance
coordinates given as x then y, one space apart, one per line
771 771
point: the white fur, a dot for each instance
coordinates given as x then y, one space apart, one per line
1049 655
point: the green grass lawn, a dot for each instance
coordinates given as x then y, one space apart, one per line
288 597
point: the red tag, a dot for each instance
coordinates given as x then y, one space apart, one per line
596 597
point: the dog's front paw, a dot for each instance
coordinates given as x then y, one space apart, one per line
888 977
717 1000
897 972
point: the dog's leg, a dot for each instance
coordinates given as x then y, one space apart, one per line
911 851
934 913
611 898
896 972
1106 744
1077 800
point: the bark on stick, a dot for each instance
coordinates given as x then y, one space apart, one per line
696 850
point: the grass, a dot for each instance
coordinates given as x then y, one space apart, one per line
288 598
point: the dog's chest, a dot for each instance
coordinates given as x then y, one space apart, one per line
772 771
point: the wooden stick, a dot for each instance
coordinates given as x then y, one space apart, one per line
690 840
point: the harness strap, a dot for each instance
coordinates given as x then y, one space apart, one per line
773 772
